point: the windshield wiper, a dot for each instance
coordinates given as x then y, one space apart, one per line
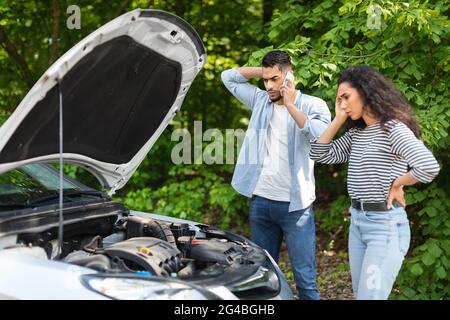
69 194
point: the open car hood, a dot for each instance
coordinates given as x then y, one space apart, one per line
120 86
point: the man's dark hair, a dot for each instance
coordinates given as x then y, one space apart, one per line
276 58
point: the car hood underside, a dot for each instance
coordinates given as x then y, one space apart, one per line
118 89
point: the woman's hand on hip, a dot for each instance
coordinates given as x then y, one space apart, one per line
396 194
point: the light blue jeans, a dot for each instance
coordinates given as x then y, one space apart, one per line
270 221
378 243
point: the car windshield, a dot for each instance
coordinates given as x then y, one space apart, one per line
30 182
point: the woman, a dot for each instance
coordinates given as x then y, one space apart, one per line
384 153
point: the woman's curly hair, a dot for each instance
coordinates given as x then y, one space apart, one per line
382 100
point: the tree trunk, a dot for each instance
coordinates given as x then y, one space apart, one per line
180 8
268 7
55 31
12 51
122 7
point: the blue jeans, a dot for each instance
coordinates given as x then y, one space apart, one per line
378 243
270 220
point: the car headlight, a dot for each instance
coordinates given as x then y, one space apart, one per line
264 279
137 288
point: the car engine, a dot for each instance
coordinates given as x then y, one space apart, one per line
144 246
160 249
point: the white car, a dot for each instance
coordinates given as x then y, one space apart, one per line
118 89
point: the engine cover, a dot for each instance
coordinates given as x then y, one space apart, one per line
218 251
146 254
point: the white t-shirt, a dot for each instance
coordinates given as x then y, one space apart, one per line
275 180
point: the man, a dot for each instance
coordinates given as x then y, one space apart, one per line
279 176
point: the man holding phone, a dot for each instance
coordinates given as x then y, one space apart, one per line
273 166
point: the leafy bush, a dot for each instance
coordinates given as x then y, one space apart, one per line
333 223
426 275
195 192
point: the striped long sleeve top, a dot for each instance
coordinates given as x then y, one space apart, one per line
377 156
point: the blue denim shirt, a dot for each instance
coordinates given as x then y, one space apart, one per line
249 163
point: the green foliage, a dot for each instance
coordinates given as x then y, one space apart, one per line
333 223
426 275
194 192
332 35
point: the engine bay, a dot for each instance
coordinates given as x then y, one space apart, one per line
145 246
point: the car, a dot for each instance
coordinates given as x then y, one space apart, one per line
115 92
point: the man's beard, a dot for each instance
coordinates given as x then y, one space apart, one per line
275 99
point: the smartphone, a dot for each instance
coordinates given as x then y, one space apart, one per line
289 76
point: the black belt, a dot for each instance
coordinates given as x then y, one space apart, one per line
372 206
